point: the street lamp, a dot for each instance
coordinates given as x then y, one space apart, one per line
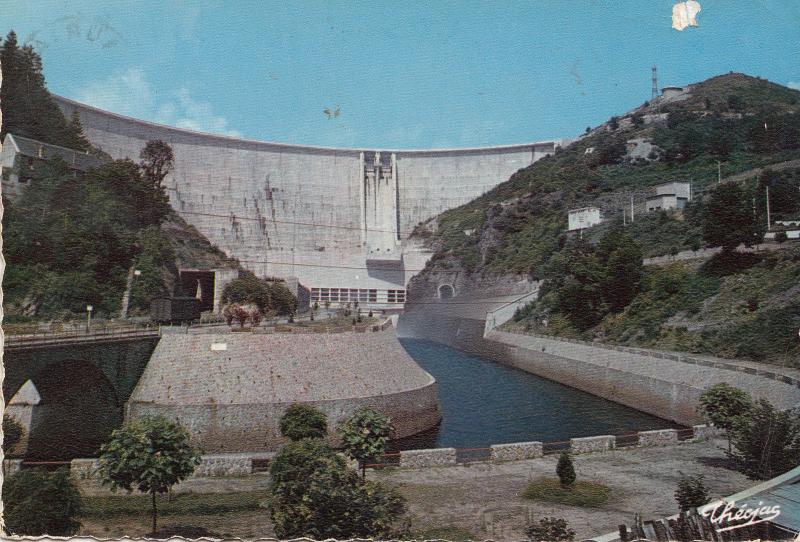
89 309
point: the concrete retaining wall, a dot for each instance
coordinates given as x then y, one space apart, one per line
437 457
586 445
663 384
516 451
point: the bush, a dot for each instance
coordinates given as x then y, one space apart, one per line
37 502
303 421
550 530
315 494
766 441
691 492
565 470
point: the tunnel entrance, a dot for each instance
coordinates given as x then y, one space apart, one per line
198 283
446 291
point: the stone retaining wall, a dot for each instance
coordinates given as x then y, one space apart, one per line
585 445
436 457
240 464
516 451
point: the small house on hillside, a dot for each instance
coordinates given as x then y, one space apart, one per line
673 195
586 217
20 156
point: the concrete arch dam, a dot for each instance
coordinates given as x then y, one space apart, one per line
338 219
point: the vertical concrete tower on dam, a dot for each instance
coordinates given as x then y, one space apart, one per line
336 219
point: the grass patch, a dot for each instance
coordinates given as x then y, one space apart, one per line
446 532
177 505
585 494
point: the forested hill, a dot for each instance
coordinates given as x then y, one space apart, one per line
717 128
71 240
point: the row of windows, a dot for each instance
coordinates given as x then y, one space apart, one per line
362 295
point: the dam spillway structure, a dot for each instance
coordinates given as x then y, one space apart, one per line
231 389
337 220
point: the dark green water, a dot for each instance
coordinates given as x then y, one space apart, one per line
487 403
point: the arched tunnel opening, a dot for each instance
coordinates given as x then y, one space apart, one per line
446 291
77 411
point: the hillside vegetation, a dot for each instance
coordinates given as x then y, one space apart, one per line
70 241
721 127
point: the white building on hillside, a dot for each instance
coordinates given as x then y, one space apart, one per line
673 195
580 219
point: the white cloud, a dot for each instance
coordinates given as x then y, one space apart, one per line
793 84
130 93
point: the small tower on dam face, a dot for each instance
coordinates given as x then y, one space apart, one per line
380 216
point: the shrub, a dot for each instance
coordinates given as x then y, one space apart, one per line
37 502
303 421
691 492
315 494
550 530
766 441
565 470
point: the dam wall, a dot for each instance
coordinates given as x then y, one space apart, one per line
230 389
335 218
665 385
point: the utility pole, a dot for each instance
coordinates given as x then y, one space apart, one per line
631 208
768 217
624 217
719 172
654 93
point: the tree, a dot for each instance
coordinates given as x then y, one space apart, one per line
624 271
781 237
37 502
766 441
315 494
284 302
157 161
365 435
248 289
28 108
80 141
303 421
239 313
150 454
550 530
728 219
723 404
691 492
565 470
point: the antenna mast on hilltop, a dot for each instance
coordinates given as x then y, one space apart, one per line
655 84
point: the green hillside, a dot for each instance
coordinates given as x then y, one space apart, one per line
718 128
70 240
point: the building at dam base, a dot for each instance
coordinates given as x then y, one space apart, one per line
231 389
338 220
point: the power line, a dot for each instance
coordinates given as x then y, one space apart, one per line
290 222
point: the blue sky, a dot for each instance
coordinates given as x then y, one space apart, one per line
403 74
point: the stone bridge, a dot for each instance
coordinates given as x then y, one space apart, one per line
67 381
